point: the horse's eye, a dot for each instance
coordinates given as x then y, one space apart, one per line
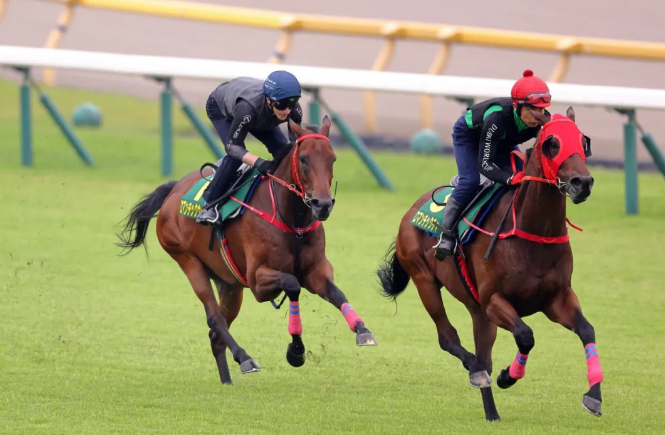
303 160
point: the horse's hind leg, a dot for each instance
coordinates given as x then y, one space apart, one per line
230 300
200 281
430 295
565 309
501 313
484 335
320 282
267 282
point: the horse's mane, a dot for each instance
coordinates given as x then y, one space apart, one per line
292 141
528 155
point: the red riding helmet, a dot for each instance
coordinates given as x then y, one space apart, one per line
531 90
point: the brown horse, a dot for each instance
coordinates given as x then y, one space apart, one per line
524 275
270 253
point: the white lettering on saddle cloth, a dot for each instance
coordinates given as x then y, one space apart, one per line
486 150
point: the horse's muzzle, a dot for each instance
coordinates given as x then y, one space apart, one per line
321 208
579 188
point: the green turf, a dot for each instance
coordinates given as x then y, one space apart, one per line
95 343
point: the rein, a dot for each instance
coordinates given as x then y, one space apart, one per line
296 188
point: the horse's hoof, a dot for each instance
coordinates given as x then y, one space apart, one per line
295 354
504 380
493 419
592 405
480 379
249 366
366 339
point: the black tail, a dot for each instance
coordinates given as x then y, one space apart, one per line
392 275
138 220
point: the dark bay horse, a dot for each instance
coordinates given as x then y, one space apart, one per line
271 252
524 275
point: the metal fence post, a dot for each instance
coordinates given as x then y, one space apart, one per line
167 128
630 163
26 119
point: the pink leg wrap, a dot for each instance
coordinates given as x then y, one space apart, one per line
594 372
295 327
518 367
350 315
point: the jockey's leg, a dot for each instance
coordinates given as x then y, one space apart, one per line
565 309
226 167
320 281
501 313
466 156
219 185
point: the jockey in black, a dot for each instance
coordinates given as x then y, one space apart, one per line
483 139
247 105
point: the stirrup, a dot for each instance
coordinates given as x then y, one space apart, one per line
437 249
205 221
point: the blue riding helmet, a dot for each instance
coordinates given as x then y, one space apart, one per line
280 85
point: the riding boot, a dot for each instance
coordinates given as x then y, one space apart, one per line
448 238
217 187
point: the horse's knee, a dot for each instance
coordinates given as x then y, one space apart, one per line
289 284
524 339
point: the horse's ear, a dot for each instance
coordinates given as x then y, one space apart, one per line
540 117
570 113
325 126
295 128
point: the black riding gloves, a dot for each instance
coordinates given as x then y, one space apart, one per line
264 166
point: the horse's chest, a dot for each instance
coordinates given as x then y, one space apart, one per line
530 291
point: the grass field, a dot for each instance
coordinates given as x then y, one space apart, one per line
96 343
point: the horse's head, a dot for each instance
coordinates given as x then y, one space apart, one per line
560 152
312 167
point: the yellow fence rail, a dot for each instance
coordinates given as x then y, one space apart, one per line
3 6
390 31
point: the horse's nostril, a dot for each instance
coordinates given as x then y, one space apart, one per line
576 182
315 202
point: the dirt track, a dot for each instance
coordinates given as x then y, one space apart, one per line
28 22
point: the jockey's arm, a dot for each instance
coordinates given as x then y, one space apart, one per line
244 118
491 133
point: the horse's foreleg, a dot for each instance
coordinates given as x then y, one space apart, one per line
320 281
267 282
501 313
219 328
565 309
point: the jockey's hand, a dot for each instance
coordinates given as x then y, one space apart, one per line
515 179
264 166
